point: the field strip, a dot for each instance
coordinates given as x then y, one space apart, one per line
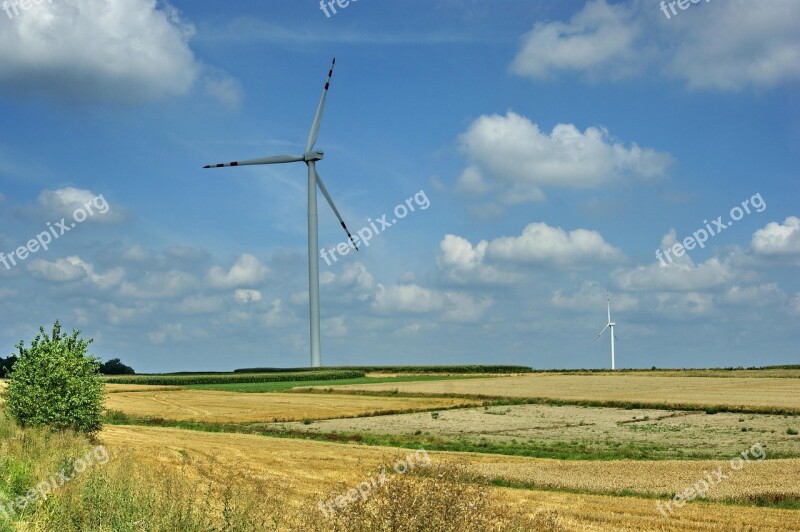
762 394
315 466
232 407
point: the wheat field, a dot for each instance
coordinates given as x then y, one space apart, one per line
233 407
304 472
734 392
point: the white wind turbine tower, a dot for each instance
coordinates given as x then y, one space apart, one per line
310 158
609 325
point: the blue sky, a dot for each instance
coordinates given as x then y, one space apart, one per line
558 144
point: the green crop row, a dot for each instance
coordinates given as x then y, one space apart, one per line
231 378
404 369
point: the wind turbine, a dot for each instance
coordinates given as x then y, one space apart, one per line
610 325
310 158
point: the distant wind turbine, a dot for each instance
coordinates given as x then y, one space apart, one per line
310 158
609 325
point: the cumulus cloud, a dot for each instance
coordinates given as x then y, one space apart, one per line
123 51
415 299
464 263
756 295
720 46
71 269
541 243
246 271
778 239
589 297
511 156
65 202
684 305
157 285
682 274
244 297
598 36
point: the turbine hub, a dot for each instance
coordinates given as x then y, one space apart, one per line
313 156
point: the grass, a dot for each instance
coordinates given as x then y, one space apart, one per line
584 450
262 387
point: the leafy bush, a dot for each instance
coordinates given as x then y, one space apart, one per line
55 383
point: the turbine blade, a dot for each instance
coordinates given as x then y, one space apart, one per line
333 206
277 159
312 137
596 338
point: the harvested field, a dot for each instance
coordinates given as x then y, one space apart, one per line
232 407
759 393
307 471
657 434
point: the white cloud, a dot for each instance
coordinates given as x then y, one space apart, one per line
600 35
686 305
278 316
199 304
246 271
225 89
757 295
464 263
540 243
155 285
244 297
682 274
717 46
733 45
414 299
589 297
118 315
334 327
73 269
795 304
65 202
513 157
778 239
121 51
173 332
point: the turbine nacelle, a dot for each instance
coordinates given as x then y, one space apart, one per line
313 156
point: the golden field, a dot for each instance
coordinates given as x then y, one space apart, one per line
736 392
303 472
234 407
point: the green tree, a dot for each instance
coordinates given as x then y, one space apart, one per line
55 383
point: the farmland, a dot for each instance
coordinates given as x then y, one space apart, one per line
726 391
223 407
570 450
